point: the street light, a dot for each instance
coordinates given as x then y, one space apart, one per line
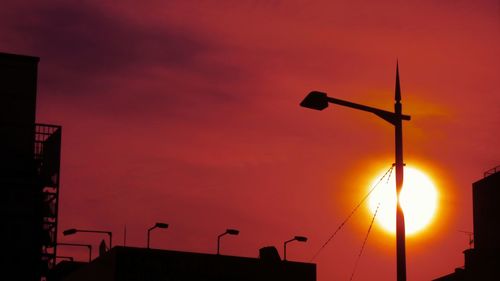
72 231
228 231
157 225
319 101
296 238
78 245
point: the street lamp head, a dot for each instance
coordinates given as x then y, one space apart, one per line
69 231
315 100
232 231
228 231
301 238
161 225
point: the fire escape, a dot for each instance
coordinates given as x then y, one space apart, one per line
47 159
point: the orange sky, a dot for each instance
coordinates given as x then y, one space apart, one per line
187 112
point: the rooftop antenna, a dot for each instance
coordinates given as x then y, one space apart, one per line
471 237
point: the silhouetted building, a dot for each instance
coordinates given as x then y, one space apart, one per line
139 264
483 261
29 173
64 268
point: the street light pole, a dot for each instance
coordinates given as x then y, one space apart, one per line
228 231
157 225
79 245
319 101
296 238
400 219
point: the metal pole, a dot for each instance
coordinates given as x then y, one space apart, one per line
400 220
284 247
218 242
90 253
149 230
149 233
284 250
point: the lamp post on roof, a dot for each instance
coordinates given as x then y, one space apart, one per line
72 231
228 231
296 238
319 101
77 245
157 225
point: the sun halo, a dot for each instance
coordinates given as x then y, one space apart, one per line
419 199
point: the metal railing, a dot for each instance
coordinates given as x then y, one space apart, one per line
492 171
47 154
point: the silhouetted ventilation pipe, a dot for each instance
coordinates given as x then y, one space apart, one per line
228 231
72 231
296 238
157 225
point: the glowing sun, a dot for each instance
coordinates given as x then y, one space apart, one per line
418 200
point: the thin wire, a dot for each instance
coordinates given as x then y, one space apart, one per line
364 243
350 215
390 173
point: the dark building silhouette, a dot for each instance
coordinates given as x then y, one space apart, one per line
29 177
29 174
483 261
142 264
64 268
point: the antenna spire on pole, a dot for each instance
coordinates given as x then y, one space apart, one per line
398 87
400 220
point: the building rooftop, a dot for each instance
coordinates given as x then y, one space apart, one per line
128 263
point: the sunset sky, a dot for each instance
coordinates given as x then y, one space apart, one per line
187 112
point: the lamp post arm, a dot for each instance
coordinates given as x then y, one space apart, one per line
149 233
284 247
218 242
388 116
79 245
109 233
147 243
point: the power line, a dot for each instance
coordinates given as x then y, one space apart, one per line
352 212
390 173
364 243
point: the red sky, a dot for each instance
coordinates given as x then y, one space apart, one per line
187 112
